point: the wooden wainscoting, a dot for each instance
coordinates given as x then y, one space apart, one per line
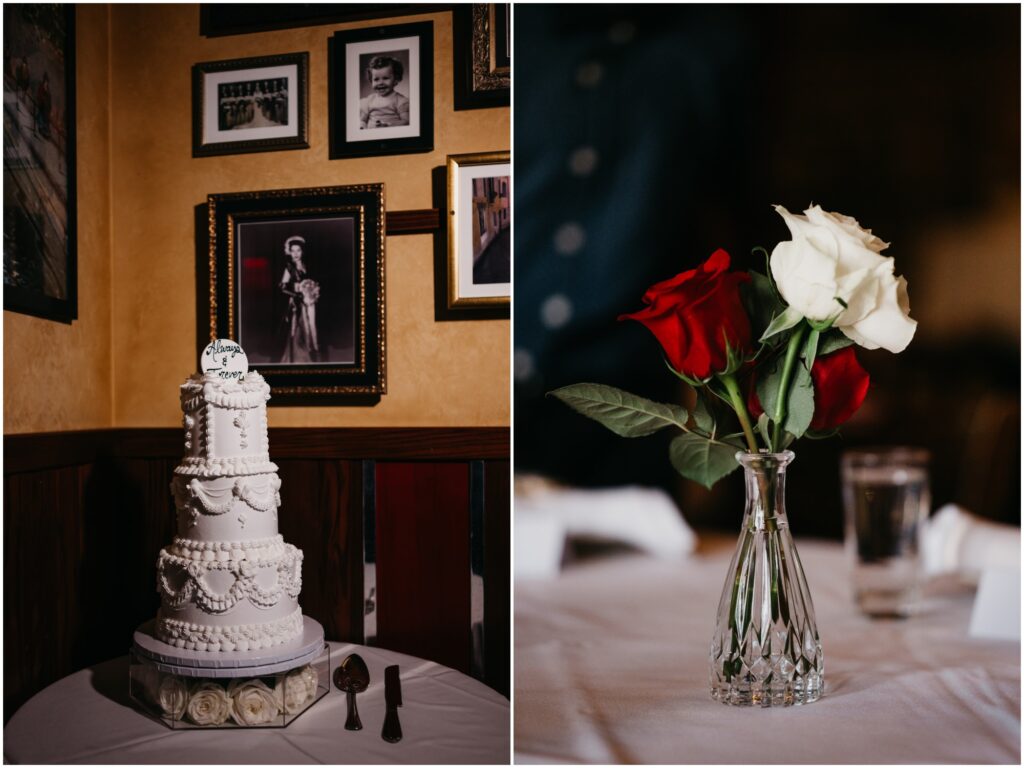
86 513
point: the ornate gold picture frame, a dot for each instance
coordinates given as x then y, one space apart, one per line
296 276
482 52
479 267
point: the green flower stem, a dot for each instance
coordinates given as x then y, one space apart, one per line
796 342
736 399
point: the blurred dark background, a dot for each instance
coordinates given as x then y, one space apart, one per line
647 136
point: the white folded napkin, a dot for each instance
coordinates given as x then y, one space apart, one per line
988 554
955 541
547 516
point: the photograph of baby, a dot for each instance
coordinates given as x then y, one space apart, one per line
252 104
383 96
382 90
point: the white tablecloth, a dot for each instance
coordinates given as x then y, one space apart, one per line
446 717
611 666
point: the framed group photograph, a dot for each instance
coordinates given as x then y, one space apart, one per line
381 90
296 277
250 105
40 205
482 52
479 230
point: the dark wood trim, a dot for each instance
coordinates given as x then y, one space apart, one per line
45 450
418 222
383 443
42 450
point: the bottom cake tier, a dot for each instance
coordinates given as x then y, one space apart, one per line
194 636
229 596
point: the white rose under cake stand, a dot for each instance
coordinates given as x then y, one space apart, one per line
153 662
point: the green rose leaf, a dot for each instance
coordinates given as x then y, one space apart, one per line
833 341
811 348
799 406
763 426
703 413
735 440
762 302
623 413
780 323
701 460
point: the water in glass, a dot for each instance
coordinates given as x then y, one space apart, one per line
887 499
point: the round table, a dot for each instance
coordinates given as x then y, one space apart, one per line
447 717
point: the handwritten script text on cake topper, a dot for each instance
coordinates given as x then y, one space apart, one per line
225 359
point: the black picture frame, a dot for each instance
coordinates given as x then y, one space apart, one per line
40 195
482 55
223 19
349 53
253 290
271 93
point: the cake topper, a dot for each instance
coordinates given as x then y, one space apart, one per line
224 358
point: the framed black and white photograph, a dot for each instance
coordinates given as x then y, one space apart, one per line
296 277
40 202
381 90
482 53
479 230
250 105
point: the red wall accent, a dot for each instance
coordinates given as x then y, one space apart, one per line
423 560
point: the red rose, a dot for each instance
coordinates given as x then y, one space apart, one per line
694 313
840 386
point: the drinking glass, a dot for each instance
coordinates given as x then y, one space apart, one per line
886 496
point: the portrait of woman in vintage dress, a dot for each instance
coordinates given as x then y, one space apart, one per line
302 345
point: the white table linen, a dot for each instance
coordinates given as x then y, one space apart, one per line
446 717
611 666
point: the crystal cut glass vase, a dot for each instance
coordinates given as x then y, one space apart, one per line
766 651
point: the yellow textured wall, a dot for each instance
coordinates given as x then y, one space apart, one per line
438 373
57 376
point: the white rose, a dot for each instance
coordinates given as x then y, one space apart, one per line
173 696
253 702
833 269
209 704
297 688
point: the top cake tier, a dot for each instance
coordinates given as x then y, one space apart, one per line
225 425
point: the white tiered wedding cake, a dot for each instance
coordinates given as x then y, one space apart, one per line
228 581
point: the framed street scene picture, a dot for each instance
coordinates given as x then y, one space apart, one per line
381 90
296 277
250 105
482 53
479 235
40 249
